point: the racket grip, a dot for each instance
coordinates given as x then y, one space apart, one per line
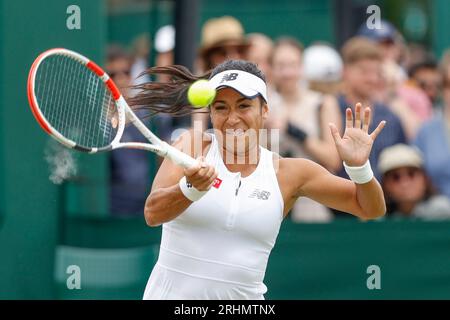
179 157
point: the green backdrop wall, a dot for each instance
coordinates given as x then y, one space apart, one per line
309 261
30 202
440 26
295 18
330 261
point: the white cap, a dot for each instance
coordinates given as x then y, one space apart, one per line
399 156
322 63
165 39
247 84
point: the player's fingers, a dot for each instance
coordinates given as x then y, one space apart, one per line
358 115
188 172
200 163
207 181
335 133
211 184
348 118
208 176
202 186
215 175
367 118
203 177
200 175
198 182
377 130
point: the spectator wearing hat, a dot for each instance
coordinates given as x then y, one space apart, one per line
223 38
408 190
433 138
322 68
405 101
387 37
164 46
390 43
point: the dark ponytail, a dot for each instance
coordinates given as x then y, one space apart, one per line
171 97
161 97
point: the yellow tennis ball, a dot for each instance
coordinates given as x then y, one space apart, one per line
201 94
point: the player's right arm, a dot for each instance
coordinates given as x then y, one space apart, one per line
166 201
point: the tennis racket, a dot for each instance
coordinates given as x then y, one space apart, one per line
79 105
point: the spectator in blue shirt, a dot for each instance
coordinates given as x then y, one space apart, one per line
433 138
361 82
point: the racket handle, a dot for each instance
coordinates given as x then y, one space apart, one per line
179 157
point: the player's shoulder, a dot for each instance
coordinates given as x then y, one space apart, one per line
193 142
294 167
293 173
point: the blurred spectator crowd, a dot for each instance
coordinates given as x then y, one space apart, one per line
402 83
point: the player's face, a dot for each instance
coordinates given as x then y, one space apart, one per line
238 119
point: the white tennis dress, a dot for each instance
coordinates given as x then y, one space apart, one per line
219 246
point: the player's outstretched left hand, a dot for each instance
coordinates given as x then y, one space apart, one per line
355 145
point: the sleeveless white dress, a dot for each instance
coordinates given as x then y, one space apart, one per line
218 248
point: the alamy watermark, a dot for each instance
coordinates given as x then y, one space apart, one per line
374 280
73 21
74 279
374 20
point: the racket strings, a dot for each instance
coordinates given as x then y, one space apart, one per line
76 102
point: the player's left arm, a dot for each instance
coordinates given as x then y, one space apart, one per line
364 200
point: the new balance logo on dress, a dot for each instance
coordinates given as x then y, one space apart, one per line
260 194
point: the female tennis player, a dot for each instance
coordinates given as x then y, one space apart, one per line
221 217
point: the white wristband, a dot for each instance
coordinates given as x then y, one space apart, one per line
189 190
360 175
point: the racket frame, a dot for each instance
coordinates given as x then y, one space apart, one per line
124 113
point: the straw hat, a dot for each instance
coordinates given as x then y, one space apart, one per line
217 32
